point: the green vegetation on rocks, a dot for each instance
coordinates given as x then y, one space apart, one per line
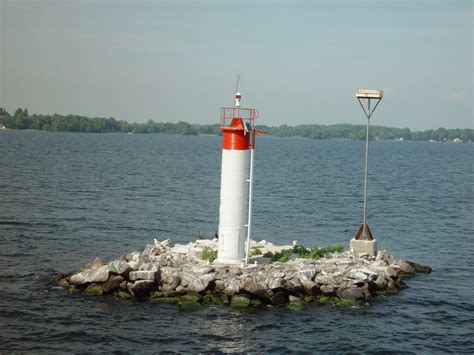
302 252
386 293
256 303
124 294
240 302
93 290
165 299
189 306
63 283
212 299
209 254
73 290
297 305
325 299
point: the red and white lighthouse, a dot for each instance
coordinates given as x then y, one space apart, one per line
235 211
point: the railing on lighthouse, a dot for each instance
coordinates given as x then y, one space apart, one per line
235 211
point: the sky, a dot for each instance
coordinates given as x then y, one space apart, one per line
300 62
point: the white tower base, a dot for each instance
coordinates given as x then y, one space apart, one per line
233 206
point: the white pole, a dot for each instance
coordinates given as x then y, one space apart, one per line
366 167
249 223
366 171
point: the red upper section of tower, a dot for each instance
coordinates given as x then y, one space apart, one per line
237 127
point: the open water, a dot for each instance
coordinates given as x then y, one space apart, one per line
67 198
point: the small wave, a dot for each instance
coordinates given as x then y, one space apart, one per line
15 254
215 337
29 224
267 326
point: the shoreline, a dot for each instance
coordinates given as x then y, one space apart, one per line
269 136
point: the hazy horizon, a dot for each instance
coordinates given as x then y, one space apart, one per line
300 62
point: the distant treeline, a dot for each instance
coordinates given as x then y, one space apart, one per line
73 123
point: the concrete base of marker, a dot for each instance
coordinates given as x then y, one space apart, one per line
364 246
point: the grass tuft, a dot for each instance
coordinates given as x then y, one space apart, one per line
209 254
302 252
257 250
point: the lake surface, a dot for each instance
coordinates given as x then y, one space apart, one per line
67 198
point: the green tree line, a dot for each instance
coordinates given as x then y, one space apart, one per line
21 119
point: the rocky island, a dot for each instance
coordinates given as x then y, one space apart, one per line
276 275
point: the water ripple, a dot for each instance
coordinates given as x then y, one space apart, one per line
114 193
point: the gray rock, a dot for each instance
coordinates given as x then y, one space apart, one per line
380 283
94 264
166 244
294 285
360 276
171 286
141 288
182 249
278 298
261 279
420 268
327 279
136 260
120 267
181 289
406 267
200 284
149 266
133 256
232 288
274 284
278 275
306 275
142 275
235 271
253 287
311 289
186 278
169 278
391 271
328 290
354 293
391 286
219 285
99 274
203 270
112 284
385 256
294 298
151 250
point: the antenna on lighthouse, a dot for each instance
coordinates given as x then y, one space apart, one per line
237 86
238 96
